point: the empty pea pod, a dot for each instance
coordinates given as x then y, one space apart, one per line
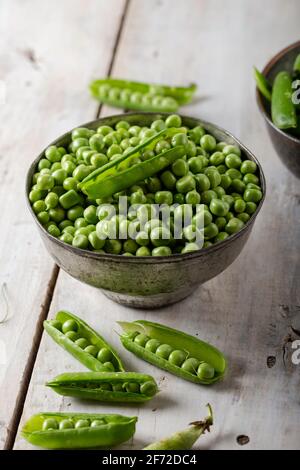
78 430
80 340
123 172
174 351
123 387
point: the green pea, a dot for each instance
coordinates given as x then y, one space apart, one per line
218 207
35 195
141 339
213 176
250 178
225 181
210 231
109 366
75 212
208 196
239 205
138 198
222 169
168 179
195 164
104 130
80 241
162 146
185 184
220 222
192 197
97 422
132 387
229 149
217 158
95 241
98 160
252 195
229 216
113 246
244 217
81 172
160 236
69 199
238 186
57 214
152 345
69 229
50 424
173 121
161 251
148 388
220 146
106 387
66 424
203 182
158 125
72 335
234 225
45 182
153 184
43 217
177 357
207 244
143 251
39 206
104 355
70 183
179 198
70 325
205 371
180 167
253 186
43 163
83 132
164 351
82 423
82 343
250 207
233 161
56 324
118 387
233 173
164 197
190 365
248 166
196 133
92 350
191 149
221 236
52 154
208 142
53 230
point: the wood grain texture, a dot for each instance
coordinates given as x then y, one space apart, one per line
48 53
249 309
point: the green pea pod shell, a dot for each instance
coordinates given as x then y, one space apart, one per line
85 331
263 84
296 66
178 340
121 173
182 95
282 108
87 385
112 430
185 439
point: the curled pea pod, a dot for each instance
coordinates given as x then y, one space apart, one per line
128 169
173 350
78 430
185 439
263 84
141 96
106 386
80 340
283 110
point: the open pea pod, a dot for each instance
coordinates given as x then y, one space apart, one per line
173 350
123 172
78 430
80 340
181 95
122 387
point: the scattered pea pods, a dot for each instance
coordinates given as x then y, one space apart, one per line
106 386
282 108
185 439
140 96
174 351
79 339
78 430
128 169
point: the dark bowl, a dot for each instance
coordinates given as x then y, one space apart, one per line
286 146
147 282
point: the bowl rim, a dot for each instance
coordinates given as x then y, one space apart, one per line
147 259
259 98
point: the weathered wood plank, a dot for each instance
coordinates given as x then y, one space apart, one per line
247 310
48 53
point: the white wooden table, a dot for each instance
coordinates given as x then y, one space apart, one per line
49 51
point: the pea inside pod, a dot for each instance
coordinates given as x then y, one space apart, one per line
80 340
175 351
106 386
78 430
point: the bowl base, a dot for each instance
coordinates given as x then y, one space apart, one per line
150 301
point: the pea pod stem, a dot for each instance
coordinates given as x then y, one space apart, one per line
121 173
87 332
185 439
87 385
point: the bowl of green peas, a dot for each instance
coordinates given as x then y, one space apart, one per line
278 98
169 169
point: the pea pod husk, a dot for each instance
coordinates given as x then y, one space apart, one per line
115 430
182 95
296 66
185 439
121 173
263 84
86 385
194 347
283 110
87 332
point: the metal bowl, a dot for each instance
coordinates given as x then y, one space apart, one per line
147 282
286 146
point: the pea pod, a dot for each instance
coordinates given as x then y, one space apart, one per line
80 340
106 386
123 172
296 66
173 350
78 430
185 439
282 108
263 84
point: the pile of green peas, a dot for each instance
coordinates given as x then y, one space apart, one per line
70 329
211 182
176 357
52 424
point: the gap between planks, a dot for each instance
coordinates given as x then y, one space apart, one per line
18 410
